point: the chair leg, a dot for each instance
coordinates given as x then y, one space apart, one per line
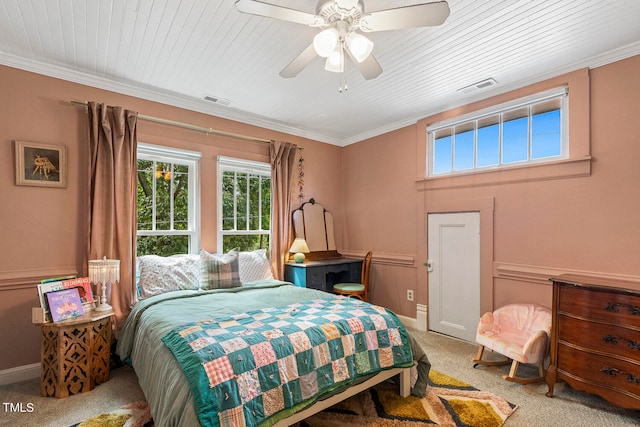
478 359
514 378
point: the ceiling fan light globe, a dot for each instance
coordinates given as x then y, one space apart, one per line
359 46
325 42
335 62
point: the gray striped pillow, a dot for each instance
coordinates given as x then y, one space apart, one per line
219 271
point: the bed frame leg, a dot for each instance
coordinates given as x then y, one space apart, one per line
405 382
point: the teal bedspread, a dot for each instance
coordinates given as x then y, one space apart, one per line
166 388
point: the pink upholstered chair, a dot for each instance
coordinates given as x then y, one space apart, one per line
518 331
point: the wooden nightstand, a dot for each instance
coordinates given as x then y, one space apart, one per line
75 354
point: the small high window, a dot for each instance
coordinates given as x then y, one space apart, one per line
529 130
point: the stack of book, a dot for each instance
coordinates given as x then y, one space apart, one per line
63 298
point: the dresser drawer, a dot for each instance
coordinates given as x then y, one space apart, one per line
315 278
614 374
618 308
613 340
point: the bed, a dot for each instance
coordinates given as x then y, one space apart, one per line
180 347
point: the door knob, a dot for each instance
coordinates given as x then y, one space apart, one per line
429 265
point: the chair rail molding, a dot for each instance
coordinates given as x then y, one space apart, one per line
22 279
540 275
406 260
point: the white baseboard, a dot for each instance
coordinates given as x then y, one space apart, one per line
19 373
407 321
420 322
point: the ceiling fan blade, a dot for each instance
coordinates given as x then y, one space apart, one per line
419 15
278 12
299 62
369 68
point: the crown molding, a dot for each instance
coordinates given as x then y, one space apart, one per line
157 95
205 107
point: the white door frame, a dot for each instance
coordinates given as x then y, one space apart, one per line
454 273
486 208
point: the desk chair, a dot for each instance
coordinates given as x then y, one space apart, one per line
357 290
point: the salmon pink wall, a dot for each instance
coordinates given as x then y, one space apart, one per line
42 230
579 216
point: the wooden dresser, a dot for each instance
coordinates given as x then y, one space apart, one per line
595 338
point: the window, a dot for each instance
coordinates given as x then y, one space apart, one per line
244 204
529 130
167 201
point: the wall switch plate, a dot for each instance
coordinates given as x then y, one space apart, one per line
409 294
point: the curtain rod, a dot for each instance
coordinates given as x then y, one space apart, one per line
192 127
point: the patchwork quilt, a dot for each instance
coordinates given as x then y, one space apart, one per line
258 367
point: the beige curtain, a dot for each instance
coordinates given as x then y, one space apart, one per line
283 156
112 198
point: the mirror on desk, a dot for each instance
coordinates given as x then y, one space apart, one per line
314 223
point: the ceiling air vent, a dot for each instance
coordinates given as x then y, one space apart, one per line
478 85
216 99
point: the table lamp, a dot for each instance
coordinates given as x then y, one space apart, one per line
299 248
106 272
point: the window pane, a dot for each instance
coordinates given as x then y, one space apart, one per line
442 155
266 203
145 194
545 134
489 141
254 202
245 242
228 191
463 147
241 206
163 196
515 136
162 245
180 197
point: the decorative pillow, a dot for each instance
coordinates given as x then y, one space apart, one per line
165 274
255 266
220 270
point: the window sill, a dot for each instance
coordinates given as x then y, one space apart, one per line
570 168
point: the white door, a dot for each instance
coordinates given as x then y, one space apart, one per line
454 274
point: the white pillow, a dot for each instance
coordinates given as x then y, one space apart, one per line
165 274
255 266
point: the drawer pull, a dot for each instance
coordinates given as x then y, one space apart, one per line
633 309
612 339
615 371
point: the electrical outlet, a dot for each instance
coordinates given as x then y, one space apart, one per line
409 294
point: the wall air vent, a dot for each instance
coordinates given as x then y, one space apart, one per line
217 100
478 85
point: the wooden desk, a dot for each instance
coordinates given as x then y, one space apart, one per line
323 274
75 354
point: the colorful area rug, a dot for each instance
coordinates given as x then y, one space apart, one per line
135 414
449 402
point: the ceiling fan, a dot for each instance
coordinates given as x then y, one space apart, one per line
341 22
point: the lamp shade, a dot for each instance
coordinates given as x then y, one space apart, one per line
359 46
326 41
106 272
299 245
